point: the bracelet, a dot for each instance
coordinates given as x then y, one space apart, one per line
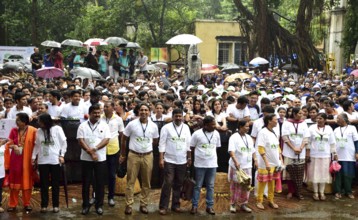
122 156
189 158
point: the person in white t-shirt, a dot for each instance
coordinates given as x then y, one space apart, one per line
204 143
49 153
242 153
143 135
74 110
347 151
21 102
239 110
174 157
93 136
55 106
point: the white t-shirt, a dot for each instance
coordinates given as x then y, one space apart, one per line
175 142
237 113
218 117
205 150
254 115
48 153
54 110
243 147
141 135
73 111
93 134
2 161
259 125
345 137
353 116
320 141
296 132
13 111
116 125
270 142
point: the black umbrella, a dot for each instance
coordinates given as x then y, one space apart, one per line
64 176
290 67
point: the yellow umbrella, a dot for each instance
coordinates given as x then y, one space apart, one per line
234 76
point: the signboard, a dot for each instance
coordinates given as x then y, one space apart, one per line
7 51
5 127
158 54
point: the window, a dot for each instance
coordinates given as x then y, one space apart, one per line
232 49
224 53
240 53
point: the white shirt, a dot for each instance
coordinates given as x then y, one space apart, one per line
269 141
345 137
258 126
218 117
2 161
49 153
93 135
320 141
353 116
175 142
54 110
296 132
116 125
243 147
205 145
13 111
141 135
237 113
73 111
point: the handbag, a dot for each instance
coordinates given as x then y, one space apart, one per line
188 187
334 167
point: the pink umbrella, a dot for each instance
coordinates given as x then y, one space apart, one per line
209 69
49 72
355 73
94 42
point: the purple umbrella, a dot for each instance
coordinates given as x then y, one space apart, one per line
49 72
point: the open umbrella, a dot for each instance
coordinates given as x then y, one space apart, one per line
161 65
354 72
152 68
290 67
94 42
133 45
184 39
116 41
229 65
50 43
258 61
73 43
13 66
209 69
85 72
234 76
49 72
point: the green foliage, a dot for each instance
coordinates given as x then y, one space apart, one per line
350 31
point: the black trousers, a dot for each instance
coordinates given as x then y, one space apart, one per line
112 164
1 182
47 170
94 170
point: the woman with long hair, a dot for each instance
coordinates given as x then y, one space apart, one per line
219 115
269 161
322 144
347 151
295 135
49 152
242 153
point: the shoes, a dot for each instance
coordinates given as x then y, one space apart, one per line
322 197
315 197
43 210
111 202
232 208
99 211
260 206
162 211
245 208
55 210
143 209
28 208
85 210
1 210
273 205
177 210
210 211
289 196
351 196
92 201
194 210
299 196
11 209
337 196
128 210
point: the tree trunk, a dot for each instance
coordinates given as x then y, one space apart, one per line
161 22
151 28
34 22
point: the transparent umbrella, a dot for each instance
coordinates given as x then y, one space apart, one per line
116 41
50 43
73 43
85 72
184 39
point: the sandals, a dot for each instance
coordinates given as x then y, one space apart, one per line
315 197
351 196
273 205
322 197
260 206
337 196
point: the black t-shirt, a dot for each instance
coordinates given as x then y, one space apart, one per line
36 59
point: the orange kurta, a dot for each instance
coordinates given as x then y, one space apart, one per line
27 182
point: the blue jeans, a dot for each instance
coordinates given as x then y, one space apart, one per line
207 175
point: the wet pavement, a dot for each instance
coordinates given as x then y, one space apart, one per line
293 209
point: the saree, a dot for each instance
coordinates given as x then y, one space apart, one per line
19 166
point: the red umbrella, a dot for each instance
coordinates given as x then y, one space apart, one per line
95 42
49 72
209 69
355 73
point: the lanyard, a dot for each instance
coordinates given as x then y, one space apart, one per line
143 129
323 132
272 132
179 134
93 129
245 141
340 128
296 127
208 138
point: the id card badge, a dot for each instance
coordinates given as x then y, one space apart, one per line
144 143
321 146
45 150
342 142
209 149
180 143
249 159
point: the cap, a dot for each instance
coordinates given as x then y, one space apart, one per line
277 95
318 93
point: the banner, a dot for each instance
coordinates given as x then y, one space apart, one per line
158 54
5 127
6 51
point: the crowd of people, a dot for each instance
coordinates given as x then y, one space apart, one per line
286 127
